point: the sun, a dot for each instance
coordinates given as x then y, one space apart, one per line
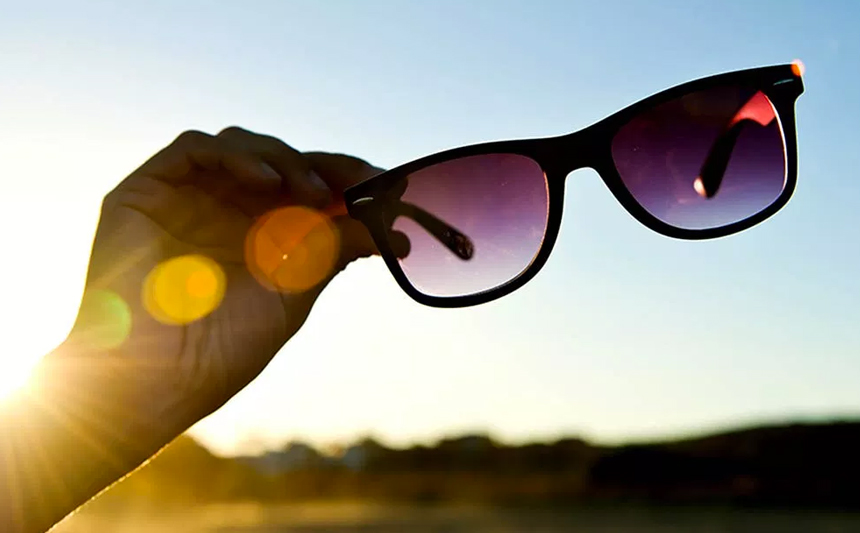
14 376
38 325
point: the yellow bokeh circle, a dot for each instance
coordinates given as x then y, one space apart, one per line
292 249
184 289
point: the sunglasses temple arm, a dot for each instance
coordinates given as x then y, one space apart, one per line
459 244
715 165
756 110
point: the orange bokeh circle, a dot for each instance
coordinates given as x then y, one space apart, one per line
292 249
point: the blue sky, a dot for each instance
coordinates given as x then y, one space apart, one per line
624 335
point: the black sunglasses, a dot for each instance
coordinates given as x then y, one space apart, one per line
705 159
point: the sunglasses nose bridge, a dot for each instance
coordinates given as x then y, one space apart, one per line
571 152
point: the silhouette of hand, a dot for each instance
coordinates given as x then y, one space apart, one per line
207 259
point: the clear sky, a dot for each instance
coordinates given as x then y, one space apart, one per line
624 335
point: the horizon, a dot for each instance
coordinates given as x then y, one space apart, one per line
334 448
636 334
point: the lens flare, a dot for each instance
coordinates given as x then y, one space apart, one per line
104 319
292 249
202 283
184 289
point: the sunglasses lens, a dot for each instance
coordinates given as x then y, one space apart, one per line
473 224
705 160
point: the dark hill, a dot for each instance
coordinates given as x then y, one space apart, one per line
796 465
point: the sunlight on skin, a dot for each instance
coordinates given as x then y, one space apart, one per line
36 457
184 289
89 418
89 411
292 249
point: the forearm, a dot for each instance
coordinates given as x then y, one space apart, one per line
76 429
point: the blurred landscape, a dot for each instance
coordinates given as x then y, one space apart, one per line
800 477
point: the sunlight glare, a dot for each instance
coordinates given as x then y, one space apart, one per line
49 211
14 376
798 68
699 186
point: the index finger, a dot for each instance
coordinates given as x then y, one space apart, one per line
341 171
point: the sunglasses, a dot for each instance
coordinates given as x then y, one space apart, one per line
702 160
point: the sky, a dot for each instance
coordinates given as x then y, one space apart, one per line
625 335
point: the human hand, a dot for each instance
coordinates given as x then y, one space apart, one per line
207 259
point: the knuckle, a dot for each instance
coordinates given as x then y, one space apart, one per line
233 131
276 148
192 137
342 163
357 166
273 144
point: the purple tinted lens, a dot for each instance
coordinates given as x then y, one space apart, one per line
473 223
704 160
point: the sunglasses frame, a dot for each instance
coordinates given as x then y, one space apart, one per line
590 147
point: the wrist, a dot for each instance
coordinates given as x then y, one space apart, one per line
113 401
83 422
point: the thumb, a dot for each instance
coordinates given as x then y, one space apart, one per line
357 243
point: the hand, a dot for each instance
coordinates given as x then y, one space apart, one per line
210 199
